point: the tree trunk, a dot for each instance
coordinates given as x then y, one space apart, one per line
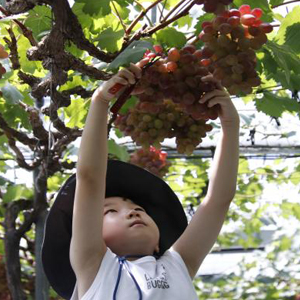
12 239
40 204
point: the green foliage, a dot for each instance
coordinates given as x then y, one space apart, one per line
39 21
117 151
289 31
170 37
278 64
133 53
274 105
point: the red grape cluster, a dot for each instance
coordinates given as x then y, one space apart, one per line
178 76
152 159
213 6
230 41
151 123
3 54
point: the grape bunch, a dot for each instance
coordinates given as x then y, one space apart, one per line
230 41
168 121
152 159
3 54
178 76
214 6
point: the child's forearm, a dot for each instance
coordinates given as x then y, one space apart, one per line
223 177
92 157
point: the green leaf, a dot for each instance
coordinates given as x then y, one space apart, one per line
129 103
95 7
274 105
171 37
108 39
11 94
201 19
276 2
15 192
117 150
39 20
289 30
285 57
76 112
184 21
133 53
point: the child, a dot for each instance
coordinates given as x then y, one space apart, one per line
122 233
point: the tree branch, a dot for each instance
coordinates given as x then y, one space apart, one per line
151 31
285 3
140 16
26 32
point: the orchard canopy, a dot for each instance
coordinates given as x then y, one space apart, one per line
55 53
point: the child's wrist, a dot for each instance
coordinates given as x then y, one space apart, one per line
97 96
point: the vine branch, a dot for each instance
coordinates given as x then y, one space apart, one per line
285 3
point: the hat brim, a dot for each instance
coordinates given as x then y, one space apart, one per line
124 180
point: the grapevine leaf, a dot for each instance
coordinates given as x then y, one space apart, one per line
122 10
95 7
117 150
285 57
129 103
171 37
76 112
39 20
85 20
11 94
274 105
276 2
293 84
289 31
200 20
15 192
108 39
133 53
184 21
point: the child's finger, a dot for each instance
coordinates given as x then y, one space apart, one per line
137 71
210 78
216 100
143 62
212 94
125 73
121 80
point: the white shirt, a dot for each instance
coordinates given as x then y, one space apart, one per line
166 278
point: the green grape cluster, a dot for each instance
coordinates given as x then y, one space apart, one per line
168 121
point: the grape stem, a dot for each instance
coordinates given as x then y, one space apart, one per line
166 23
143 9
119 17
140 16
173 10
285 3
27 32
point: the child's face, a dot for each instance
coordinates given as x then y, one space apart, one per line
128 229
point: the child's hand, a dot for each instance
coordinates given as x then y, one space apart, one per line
227 112
124 77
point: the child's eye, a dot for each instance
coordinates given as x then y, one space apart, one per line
139 209
110 211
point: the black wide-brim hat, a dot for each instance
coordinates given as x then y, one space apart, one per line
122 180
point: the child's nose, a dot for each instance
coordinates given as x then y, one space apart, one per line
133 213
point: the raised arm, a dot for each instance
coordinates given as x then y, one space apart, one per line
204 228
87 246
